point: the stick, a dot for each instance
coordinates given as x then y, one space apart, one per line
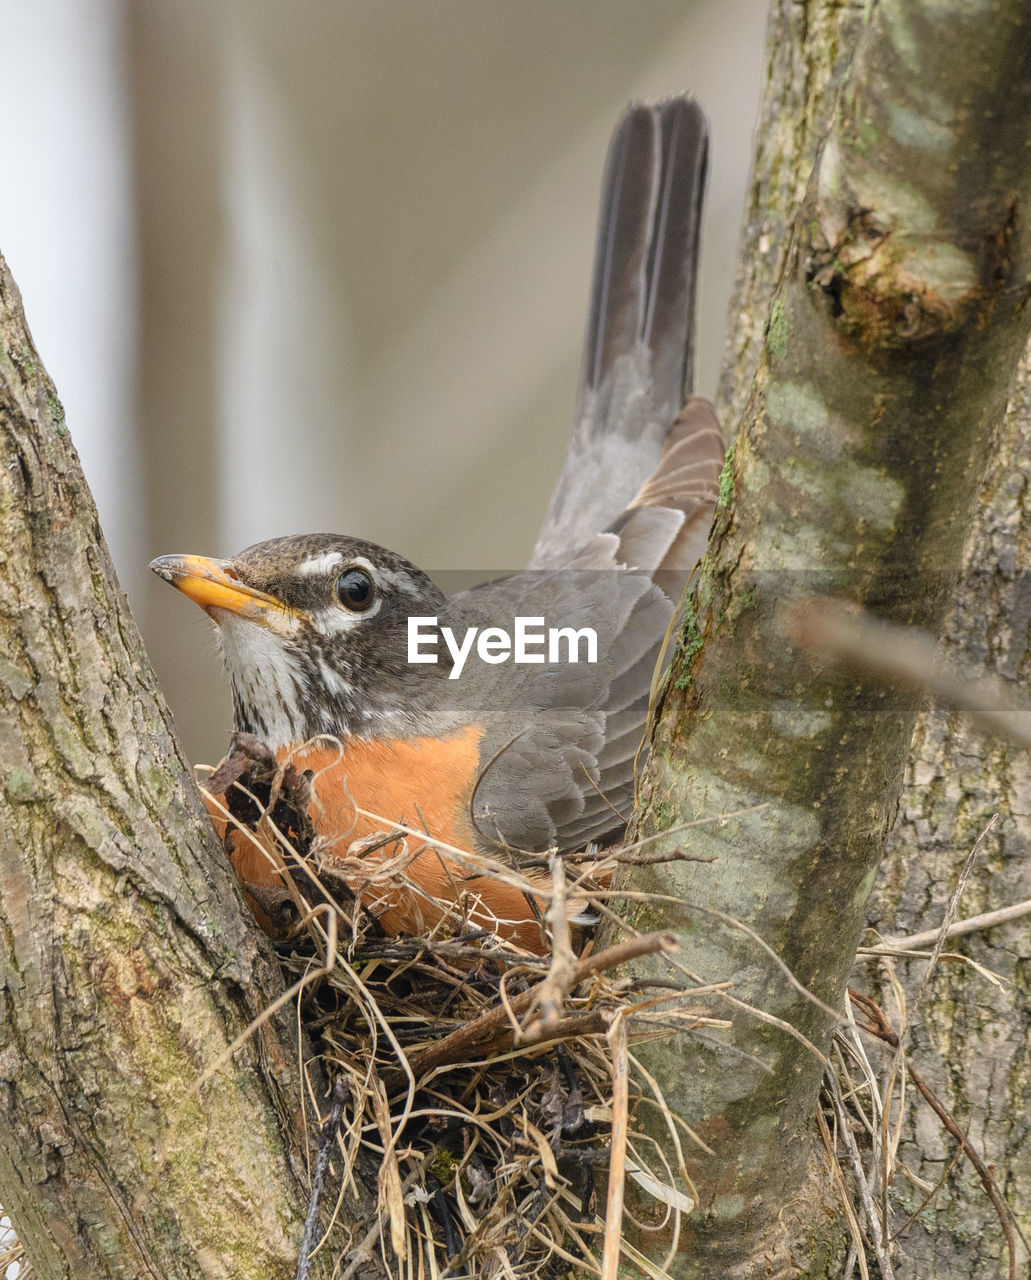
327 1136
617 1151
469 1041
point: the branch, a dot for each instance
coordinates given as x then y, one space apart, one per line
126 963
909 659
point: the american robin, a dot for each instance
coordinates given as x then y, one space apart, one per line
506 719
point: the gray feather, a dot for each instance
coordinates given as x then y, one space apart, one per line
639 348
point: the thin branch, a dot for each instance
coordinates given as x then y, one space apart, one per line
873 1218
972 924
469 1041
327 1137
905 658
617 1152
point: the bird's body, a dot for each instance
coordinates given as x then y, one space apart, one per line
479 751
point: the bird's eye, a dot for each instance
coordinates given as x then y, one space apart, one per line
356 590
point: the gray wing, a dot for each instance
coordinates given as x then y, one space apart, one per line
638 360
546 756
562 738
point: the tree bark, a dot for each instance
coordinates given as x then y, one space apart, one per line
126 963
884 365
968 1037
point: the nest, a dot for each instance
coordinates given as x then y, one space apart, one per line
495 1091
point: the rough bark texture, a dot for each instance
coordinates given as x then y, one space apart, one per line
970 1039
809 47
126 963
887 356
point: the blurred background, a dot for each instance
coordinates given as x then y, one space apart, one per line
325 265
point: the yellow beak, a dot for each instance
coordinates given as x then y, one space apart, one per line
213 584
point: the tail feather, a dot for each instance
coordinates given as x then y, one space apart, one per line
638 359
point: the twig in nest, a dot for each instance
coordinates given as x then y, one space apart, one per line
476 1037
391 1187
550 994
363 1253
617 1038
327 1137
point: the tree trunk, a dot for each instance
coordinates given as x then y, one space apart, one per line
968 1037
883 368
126 963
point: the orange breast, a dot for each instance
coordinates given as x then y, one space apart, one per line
366 788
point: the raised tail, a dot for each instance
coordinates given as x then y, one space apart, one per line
638 362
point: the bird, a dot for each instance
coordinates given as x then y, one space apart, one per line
506 720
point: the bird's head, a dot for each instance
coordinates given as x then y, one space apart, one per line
313 630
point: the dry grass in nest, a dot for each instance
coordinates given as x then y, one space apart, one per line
493 1097
496 1092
